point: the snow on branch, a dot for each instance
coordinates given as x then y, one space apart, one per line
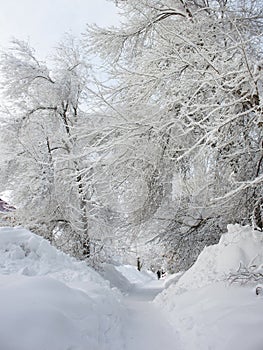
244 185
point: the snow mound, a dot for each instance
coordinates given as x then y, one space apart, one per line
27 254
207 311
52 301
238 245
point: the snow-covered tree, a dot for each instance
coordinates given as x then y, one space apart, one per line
43 112
171 150
185 105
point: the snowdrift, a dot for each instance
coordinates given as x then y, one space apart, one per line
238 245
115 278
207 311
126 277
49 300
134 276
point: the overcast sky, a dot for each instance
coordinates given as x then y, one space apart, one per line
43 22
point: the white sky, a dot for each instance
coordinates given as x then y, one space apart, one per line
43 22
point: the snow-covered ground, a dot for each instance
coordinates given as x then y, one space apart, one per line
49 300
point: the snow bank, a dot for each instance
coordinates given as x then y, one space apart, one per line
115 278
134 276
238 245
207 312
172 279
217 317
125 277
49 300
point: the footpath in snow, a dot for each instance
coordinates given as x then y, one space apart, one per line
146 326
